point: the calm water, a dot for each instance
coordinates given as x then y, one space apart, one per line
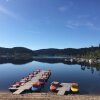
87 77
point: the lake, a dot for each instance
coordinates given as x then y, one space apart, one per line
88 77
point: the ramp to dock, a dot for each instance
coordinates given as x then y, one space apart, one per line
65 87
28 85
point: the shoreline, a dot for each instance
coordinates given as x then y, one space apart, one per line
46 96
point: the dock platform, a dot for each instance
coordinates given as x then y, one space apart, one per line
28 85
65 88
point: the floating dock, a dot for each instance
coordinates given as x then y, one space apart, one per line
29 84
62 88
65 88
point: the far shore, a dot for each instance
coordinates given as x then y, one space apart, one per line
46 96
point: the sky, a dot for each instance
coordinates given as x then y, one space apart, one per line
39 24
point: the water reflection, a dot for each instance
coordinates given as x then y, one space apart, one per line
87 67
14 61
83 65
54 60
88 76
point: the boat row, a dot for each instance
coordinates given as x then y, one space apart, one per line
66 87
37 80
37 85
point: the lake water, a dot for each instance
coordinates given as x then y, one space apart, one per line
88 77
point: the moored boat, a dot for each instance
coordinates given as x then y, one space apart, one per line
37 83
57 84
38 70
64 88
42 81
15 86
74 87
54 86
35 88
34 81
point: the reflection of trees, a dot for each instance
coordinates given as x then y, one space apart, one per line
98 69
91 67
15 61
54 60
92 70
88 67
99 73
82 67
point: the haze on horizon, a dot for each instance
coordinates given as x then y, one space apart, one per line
38 24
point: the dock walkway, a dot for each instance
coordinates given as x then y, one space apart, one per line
28 85
65 87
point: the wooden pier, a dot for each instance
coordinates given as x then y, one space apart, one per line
65 88
28 85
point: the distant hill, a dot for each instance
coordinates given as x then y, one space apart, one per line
25 53
16 53
91 52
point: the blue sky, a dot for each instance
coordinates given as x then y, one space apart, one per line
38 24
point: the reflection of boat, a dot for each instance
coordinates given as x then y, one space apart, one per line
74 87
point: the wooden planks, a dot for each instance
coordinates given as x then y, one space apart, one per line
65 87
28 85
